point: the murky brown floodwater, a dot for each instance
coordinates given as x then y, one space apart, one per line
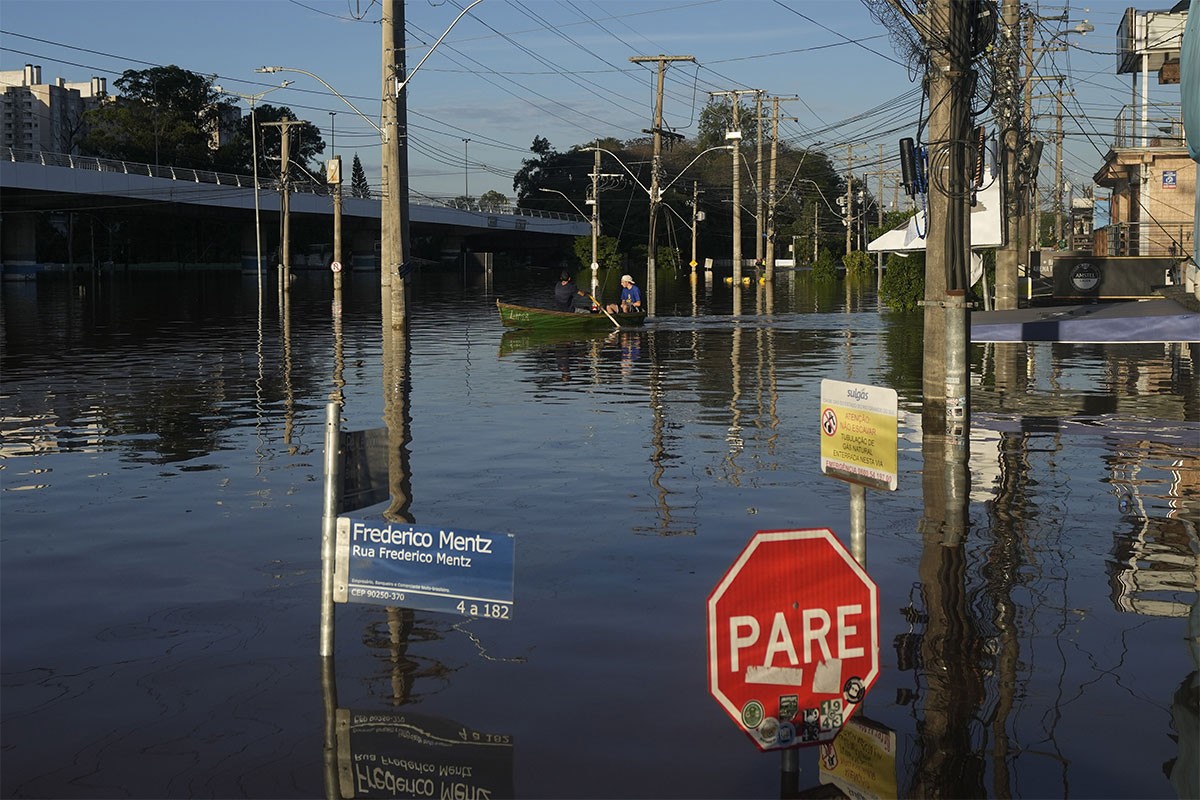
161 515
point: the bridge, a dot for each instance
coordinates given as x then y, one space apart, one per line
39 186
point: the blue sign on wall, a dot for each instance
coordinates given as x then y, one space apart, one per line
431 568
1169 178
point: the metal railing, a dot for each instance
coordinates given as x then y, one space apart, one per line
1164 126
1172 239
301 186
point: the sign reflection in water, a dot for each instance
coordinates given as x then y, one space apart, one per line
161 499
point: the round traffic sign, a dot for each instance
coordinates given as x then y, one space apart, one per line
336 266
793 638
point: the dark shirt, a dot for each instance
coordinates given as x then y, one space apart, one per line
564 295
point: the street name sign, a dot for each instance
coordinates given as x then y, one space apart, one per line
793 638
858 433
422 567
397 754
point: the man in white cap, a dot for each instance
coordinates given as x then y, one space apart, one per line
631 297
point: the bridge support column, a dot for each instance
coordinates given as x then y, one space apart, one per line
18 246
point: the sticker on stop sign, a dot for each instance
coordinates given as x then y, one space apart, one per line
793 638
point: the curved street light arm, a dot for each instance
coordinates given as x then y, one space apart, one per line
669 185
330 88
693 161
564 197
822 194
400 84
252 98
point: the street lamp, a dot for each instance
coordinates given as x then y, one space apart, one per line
252 99
330 88
466 178
595 224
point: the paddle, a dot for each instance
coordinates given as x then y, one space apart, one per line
605 310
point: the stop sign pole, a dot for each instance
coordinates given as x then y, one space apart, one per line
793 638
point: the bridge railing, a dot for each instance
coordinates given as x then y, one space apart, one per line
303 185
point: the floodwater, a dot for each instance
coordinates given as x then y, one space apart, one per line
161 524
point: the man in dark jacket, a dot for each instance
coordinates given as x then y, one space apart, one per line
565 293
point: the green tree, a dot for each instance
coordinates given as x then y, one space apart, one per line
492 200
903 284
608 256
858 264
716 119
358 180
303 147
164 115
826 267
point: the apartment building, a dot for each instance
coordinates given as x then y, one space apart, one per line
44 116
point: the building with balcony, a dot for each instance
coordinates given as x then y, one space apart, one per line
1148 170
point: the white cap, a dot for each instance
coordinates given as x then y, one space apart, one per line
626 279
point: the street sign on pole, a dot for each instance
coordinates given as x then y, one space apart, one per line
859 433
793 638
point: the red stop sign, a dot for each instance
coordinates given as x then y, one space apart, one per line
793 638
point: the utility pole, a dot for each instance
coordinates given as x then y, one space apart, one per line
735 138
394 207
849 195
1008 256
771 198
1058 167
333 177
655 169
695 218
758 182
596 221
285 244
948 241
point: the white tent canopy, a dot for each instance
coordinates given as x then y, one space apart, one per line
986 229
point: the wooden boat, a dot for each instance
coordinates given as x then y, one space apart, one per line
544 319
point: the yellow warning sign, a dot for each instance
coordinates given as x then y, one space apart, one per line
859 433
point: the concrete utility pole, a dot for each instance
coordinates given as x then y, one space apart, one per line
1008 258
285 243
596 222
334 178
771 197
758 182
695 216
655 169
394 159
735 138
948 242
849 196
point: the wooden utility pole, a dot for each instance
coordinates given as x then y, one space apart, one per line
655 169
285 243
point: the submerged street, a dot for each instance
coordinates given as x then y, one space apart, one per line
161 519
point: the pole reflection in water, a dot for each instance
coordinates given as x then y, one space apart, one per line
947 760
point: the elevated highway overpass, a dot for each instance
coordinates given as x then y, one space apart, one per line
39 189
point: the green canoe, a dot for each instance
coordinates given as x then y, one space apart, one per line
543 319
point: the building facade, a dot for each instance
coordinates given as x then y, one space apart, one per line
48 117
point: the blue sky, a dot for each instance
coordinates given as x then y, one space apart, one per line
511 70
